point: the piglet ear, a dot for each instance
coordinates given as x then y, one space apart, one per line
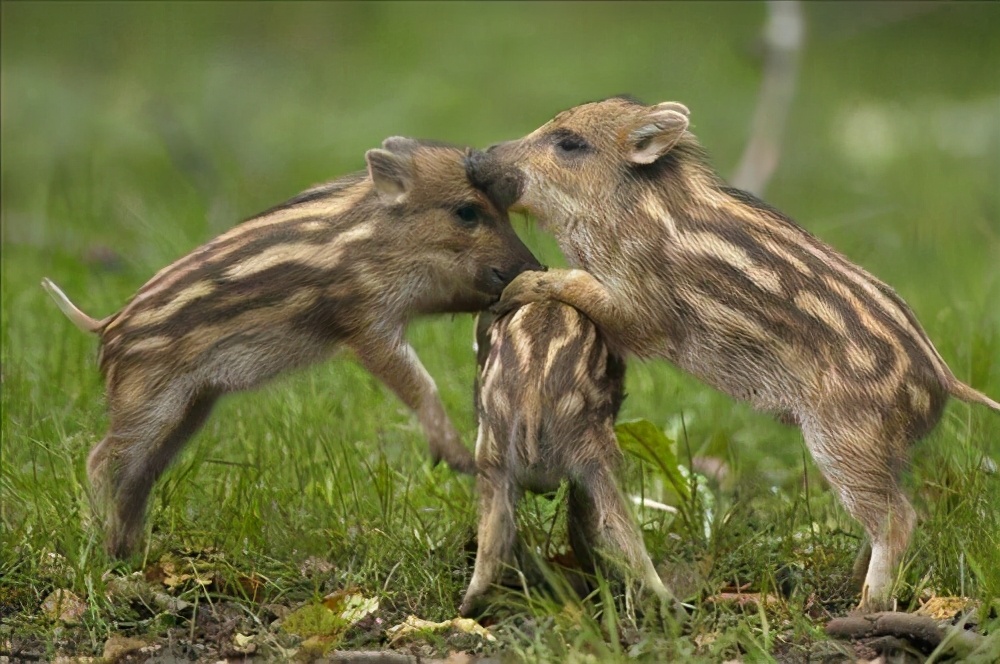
672 106
400 144
657 132
391 168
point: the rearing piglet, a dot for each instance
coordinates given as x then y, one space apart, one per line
674 263
346 263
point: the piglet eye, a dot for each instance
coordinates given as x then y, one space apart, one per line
572 144
468 214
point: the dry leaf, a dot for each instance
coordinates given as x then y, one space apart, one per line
170 604
155 572
470 626
173 581
413 625
317 646
946 608
173 574
351 606
119 646
65 606
244 644
127 588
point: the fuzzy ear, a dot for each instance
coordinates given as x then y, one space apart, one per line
391 173
400 144
672 106
657 132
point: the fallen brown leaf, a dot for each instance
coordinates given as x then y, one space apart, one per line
413 625
946 608
65 606
117 647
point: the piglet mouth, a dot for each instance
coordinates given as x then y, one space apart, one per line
497 280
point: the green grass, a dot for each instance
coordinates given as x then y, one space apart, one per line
147 129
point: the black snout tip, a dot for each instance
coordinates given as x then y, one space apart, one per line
503 277
475 169
531 265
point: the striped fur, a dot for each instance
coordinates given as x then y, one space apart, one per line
548 392
344 264
672 262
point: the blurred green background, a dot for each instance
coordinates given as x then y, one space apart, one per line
136 131
133 132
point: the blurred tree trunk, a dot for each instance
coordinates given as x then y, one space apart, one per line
784 36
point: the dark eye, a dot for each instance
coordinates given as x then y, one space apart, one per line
468 214
572 143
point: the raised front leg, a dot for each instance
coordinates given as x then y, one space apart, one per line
577 288
396 364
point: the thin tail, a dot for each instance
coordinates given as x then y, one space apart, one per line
959 389
78 318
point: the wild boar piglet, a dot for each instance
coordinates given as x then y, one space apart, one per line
547 396
347 264
671 262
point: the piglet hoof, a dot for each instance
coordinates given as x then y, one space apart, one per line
118 546
459 460
673 610
661 604
470 608
680 612
871 606
529 286
501 308
464 466
873 602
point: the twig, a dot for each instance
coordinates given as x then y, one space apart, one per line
922 631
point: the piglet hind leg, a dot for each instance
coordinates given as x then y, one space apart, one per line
396 364
601 525
496 539
864 467
860 567
124 466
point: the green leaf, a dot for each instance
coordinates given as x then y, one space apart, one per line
646 441
313 620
